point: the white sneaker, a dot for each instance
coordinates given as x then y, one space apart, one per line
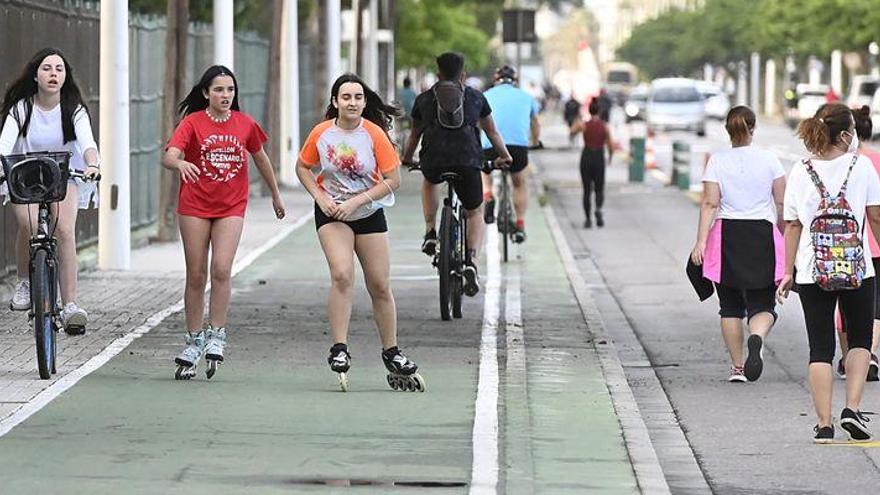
737 375
21 299
74 319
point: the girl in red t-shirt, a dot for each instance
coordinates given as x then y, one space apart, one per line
209 148
359 171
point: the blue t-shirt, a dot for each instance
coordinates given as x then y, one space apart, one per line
512 110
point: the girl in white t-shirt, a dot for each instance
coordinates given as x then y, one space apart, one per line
43 110
737 239
830 137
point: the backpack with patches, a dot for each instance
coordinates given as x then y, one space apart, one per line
838 252
450 104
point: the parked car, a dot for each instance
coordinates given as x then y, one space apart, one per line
676 104
810 98
717 102
861 91
635 104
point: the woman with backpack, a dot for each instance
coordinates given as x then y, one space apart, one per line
358 171
830 196
740 221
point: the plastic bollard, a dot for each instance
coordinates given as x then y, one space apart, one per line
637 159
681 159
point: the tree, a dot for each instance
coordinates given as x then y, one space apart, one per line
427 28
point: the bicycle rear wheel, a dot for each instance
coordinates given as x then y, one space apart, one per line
445 264
42 303
458 267
504 215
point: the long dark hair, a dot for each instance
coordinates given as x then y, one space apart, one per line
376 110
196 101
25 87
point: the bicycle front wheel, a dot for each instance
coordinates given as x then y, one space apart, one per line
447 248
42 303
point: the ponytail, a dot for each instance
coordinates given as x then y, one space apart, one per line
739 124
822 130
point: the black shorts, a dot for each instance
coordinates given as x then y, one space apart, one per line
469 188
745 303
520 155
373 224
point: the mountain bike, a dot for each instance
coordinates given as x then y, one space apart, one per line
41 178
450 257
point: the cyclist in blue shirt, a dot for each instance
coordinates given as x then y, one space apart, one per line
516 116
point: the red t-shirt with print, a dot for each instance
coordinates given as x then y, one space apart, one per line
220 150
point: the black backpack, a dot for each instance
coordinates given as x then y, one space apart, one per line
449 96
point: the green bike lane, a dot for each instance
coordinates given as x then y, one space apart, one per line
273 420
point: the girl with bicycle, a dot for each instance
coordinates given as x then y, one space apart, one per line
44 110
209 149
359 171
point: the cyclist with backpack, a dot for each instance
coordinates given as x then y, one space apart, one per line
516 115
829 198
44 110
743 190
447 119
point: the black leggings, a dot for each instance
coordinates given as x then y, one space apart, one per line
593 174
856 308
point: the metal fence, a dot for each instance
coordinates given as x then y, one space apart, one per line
29 25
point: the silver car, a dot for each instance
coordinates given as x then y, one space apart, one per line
676 104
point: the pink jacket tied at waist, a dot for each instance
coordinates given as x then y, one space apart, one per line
712 256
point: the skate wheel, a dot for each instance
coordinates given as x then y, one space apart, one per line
418 383
212 368
343 382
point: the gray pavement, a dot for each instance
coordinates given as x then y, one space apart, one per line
747 438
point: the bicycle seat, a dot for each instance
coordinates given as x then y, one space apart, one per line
450 176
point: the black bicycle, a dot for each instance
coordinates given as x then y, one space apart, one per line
41 178
505 218
450 258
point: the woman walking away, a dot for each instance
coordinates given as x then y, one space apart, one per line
830 195
739 242
597 136
359 171
864 131
209 148
44 110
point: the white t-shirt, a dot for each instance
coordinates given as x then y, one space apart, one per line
802 200
45 134
745 175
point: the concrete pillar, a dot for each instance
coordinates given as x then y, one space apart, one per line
224 31
741 84
333 41
837 72
815 71
114 216
371 66
289 94
770 87
755 86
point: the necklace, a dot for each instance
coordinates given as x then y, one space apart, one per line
218 120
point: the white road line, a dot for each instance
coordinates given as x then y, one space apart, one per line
484 472
69 380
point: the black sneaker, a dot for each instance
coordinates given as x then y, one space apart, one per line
824 434
854 423
841 369
471 280
600 222
519 235
489 211
755 362
873 369
429 244
588 224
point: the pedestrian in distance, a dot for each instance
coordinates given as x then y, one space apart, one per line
829 198
864 131
597 139
43 110
739 243
447 119
516 115
571 112
358 173
209 148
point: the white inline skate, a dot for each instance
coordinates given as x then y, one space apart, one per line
402 374
215 344
189 358
340 362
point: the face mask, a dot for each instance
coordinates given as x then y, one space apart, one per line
853 144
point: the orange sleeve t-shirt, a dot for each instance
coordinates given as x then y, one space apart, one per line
351 161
